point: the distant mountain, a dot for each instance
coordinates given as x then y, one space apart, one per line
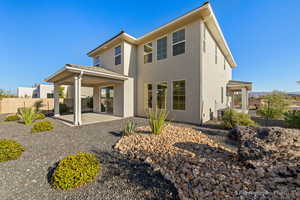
259 94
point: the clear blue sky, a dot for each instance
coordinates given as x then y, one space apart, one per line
39 37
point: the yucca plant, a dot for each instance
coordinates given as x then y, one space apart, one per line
129 128
27 115
157 119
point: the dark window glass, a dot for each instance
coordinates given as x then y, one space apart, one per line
178 49
162 48
162 95
118 60
179 95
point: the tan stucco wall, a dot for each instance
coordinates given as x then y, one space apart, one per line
181 67
11 105
108 59
214 77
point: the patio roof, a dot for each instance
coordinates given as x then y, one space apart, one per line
238 85
69 70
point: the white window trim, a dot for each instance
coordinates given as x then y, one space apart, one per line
120 54
148 53
156 92
172 88
166 35
179 29
146 107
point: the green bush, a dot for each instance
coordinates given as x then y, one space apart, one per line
63 108
75 170
276 104
42 126
12 118
231 119
157 120
292 119
27 115
129 128
39 116
37 105
10 150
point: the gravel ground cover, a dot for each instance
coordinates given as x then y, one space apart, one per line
201 164
120 178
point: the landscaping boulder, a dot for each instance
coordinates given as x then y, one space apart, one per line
274 154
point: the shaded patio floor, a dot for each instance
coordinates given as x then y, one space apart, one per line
88 118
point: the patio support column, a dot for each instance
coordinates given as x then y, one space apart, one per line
79 99
56 100
244 100
75 105
96 99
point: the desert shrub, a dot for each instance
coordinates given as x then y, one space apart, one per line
231 119
292 119
275 105
37 105
42 126
39 116
129 128
10 150
63 108
12 118
75 170
27 115
157 119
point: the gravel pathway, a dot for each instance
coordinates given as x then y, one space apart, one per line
120 178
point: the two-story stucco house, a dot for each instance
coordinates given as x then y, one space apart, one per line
184 66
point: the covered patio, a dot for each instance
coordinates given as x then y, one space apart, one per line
239 93
112 93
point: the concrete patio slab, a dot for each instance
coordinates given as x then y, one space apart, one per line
88 118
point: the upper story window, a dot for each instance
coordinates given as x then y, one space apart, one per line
204 39
97 61
148 52
162 48
178 42
224 63
118 55
216 53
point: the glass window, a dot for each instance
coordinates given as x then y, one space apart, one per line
148 94
97 61
118 55
162 48
178 42
222 95
179 95
162 95
224 63
148 52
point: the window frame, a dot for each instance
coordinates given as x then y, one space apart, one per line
172 101
164 36
166 96
120 54
183 41
144 54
